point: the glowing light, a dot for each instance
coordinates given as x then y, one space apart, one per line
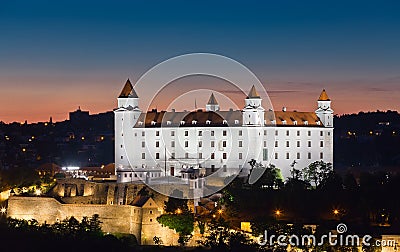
278 212
70 168
3 210
102 138
220 211
178 211
83 138
23 149
45 124
38 192
335 212
214 216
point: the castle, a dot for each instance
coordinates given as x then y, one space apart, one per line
155 144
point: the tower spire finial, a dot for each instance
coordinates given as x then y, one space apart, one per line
253 93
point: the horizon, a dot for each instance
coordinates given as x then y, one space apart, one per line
58 56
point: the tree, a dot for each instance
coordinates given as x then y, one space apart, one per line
173 205
317 172
270 179
182 223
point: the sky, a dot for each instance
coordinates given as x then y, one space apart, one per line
58 55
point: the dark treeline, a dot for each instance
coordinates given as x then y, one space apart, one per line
318 195
370 140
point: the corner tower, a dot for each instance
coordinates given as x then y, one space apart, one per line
125 118
324 111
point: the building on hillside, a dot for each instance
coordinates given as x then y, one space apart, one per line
155 143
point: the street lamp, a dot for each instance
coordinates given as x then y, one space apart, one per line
220 211
336 212
3 210
178 211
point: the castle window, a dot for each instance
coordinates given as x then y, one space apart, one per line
298 143
173 155
157 133
224 168
321 133
287 143
157 155
186 133
287 155
153 123
224 122
224 155
157 144
284 122
151 212
186 144
122 157
140 123
200 133
173 133
298 155
143 133
208 122
309 143
294 122
287 132
240 132
212 155
122 146
172 144
321 144
168 122
305 122
276 133
309 155
265 132
276 143
309 133
143 144
240 144
212 144
194 122
265 144
143 155
240 155
329 133
236 121
276 155
125 175
318 122
321 155
212 133
298 133
200 144
224 133
200 155
265 154
224 144
186 155
182 122
151 220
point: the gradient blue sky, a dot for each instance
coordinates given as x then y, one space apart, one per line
58 55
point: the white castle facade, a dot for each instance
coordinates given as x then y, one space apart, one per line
157 144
